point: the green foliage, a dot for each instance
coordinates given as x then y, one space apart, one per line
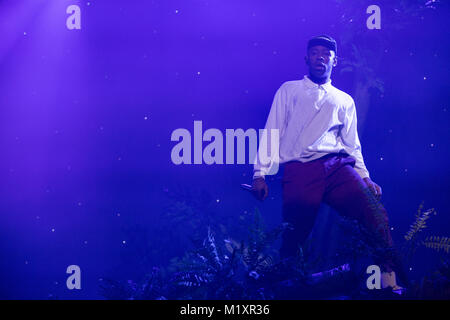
221 267
150 288
230 271
437 243
413 238
419 224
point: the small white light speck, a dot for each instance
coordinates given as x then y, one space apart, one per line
424 78
24 33
392 228
118 214
406 170
26 262
198 72
176 11
124 242
85 242
432 145
53 229
410 269
218 200
381 158
145 118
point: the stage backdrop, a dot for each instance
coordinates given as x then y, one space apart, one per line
91 92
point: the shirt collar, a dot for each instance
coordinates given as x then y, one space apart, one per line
312 85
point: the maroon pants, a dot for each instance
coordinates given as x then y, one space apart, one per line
333 180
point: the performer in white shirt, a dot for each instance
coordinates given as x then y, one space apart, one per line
321 152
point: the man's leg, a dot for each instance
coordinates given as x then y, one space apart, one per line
348 194
303 187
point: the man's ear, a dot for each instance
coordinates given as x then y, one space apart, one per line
335 61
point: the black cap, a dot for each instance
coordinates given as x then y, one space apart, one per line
323 40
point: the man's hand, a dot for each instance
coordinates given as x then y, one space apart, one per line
260 189
373 187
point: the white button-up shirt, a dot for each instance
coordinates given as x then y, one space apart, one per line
313 120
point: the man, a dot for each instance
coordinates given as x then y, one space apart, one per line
321 152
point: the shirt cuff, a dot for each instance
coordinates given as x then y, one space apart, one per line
362 173
258 174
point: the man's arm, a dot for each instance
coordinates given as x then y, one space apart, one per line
349 135
350 138
275 120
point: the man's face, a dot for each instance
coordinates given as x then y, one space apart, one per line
320 61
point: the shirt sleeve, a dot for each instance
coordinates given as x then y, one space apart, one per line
349 135
275 120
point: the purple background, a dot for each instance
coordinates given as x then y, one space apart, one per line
86 117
